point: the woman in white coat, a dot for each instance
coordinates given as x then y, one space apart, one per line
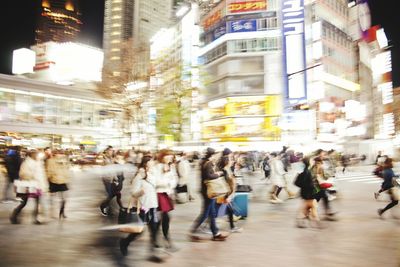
144 190
166 182
31 170
277 177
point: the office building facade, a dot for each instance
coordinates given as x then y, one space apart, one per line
59 21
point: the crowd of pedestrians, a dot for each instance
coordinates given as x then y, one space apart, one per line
162 179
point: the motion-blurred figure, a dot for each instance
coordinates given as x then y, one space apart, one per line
30 171
57 170
12 162
388 186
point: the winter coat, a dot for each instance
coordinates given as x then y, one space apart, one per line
145 182
165 181
277 172
57 170
34 170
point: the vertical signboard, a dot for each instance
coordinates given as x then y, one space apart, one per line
294 60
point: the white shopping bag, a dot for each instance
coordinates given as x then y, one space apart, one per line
24 186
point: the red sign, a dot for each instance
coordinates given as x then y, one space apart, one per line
247 6
213 19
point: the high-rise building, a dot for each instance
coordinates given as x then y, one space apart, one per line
131 20
59 21
256 51
175 79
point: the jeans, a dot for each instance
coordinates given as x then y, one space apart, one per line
208 211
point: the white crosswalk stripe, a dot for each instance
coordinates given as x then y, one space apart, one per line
359 177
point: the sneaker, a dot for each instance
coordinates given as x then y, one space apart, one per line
205 230
276 201
376 195
301 223
123 247
236 229
380 212
330 218
103 211
236 218
331 197
219 237
194 238
154 258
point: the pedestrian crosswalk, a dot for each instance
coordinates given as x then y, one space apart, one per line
359 177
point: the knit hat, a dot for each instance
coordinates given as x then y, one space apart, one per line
226 152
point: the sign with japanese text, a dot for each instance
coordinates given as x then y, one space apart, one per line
294 49
243 25
247 6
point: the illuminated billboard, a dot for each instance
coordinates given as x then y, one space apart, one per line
237 7
243 118
68 62
214 17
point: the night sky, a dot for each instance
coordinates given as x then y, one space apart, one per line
17 24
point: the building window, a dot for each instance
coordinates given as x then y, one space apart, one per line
267 24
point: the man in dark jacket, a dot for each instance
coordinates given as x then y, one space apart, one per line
207 168
12 162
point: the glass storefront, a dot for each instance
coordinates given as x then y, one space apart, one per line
24 107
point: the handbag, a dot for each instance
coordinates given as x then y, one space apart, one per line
181 189
129 219
217 187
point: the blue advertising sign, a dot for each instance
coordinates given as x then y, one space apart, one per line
219 31
294 49
249 25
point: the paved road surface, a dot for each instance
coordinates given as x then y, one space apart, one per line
270 237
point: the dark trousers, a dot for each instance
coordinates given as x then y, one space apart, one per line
152 221
164 223
322 194
19 208
112 192
230 212
393 202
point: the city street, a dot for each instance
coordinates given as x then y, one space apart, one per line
269 238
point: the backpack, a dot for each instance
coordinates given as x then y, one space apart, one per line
299 181
266 166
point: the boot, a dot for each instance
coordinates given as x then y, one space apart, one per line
62 214
13 218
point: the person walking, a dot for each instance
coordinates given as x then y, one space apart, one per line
184 186
266 167
144 190
225 164
57 170
12 163
309 187
317 170
208 211
165 181
112 183
30 171
277 177
388 185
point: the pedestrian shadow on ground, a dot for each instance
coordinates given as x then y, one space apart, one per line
107 244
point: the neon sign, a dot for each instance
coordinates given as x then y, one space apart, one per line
248 6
